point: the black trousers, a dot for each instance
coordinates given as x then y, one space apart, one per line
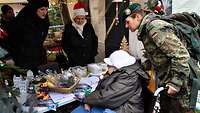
170 105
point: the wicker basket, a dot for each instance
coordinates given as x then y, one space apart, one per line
70 89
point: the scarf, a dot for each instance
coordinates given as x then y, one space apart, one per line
79 28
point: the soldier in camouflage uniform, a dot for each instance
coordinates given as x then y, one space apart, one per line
166 53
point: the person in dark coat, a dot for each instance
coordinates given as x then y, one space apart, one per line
79 40
29 31
119 91
7 17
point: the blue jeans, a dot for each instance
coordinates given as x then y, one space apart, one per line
80 109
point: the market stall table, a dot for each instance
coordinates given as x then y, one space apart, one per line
60 99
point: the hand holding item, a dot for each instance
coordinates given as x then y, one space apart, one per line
10 62
87 107
82 91
79 96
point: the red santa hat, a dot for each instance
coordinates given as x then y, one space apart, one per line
79 9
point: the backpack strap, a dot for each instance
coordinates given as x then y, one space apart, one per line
195 78
188 33
194 68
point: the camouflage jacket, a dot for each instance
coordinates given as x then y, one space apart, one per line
165 51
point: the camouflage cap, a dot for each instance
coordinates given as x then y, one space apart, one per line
134 7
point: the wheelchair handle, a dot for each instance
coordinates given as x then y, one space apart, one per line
157 92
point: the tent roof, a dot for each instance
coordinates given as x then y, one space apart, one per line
25 1
12 1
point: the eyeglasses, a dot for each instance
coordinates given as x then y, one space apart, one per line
80 18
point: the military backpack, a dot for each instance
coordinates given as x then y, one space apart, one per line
188 28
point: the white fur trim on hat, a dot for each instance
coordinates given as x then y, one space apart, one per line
120 59
80 11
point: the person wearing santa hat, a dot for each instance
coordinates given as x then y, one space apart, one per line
79 40
30 29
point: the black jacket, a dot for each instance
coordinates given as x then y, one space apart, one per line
121 91
80 51
28 35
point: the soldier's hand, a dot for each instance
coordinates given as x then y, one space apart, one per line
171 90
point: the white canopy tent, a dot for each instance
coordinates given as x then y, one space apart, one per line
12 1
185 6
15 4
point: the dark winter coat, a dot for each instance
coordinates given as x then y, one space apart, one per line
28 35
121 91
80 51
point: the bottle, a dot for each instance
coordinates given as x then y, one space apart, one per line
16 81
30 75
